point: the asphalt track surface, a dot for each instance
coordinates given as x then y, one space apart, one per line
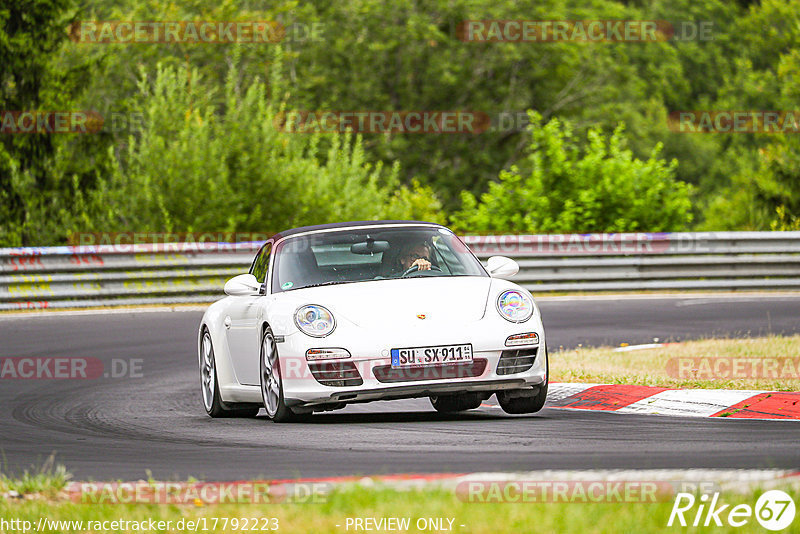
122 428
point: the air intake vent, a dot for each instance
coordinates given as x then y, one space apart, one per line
516 361
385 373
336 374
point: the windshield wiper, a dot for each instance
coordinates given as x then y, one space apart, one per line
331 283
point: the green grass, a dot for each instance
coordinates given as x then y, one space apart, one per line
651 367
414 504
44 493
47 480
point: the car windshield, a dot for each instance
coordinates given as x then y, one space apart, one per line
375 253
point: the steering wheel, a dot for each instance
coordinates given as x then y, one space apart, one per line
415 268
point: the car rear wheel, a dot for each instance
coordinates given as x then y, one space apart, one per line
456 403
271 382
516 402
210 385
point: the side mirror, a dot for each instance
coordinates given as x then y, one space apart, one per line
501 267
243 285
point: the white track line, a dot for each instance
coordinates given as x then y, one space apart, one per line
629 348
688 402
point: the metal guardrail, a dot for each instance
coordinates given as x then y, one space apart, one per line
58 277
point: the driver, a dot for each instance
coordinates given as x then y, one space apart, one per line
415 254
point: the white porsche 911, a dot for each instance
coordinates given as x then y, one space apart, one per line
355 312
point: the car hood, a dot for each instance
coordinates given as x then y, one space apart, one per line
405 301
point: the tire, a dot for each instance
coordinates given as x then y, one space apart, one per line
522 405
456 403
271 383
209 385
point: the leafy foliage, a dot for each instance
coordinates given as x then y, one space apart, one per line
560 188
39 181
209 156
199 166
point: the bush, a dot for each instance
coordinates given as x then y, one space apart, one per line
561 188
197 166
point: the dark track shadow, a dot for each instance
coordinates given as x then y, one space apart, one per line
332 418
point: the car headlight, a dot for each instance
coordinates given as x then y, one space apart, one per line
315 321
514 306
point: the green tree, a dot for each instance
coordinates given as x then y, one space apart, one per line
374 55
560 187
41 175
201 166
764 169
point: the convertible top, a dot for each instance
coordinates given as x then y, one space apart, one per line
301 229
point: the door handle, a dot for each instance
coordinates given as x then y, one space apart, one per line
227 322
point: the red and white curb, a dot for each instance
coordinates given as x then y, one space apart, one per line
733 404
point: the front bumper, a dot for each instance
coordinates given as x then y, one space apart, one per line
370 355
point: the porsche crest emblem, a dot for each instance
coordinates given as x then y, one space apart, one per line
420 316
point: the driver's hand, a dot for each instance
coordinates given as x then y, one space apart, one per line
423 265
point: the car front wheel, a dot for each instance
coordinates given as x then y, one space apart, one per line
271 382
517 402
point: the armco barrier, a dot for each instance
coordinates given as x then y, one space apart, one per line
57 277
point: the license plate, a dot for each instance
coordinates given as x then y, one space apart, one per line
441 354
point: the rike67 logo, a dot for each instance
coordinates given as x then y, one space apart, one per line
774 510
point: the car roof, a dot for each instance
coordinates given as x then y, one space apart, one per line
302 229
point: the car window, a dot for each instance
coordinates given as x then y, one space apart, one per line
340 254
363 255
261 263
